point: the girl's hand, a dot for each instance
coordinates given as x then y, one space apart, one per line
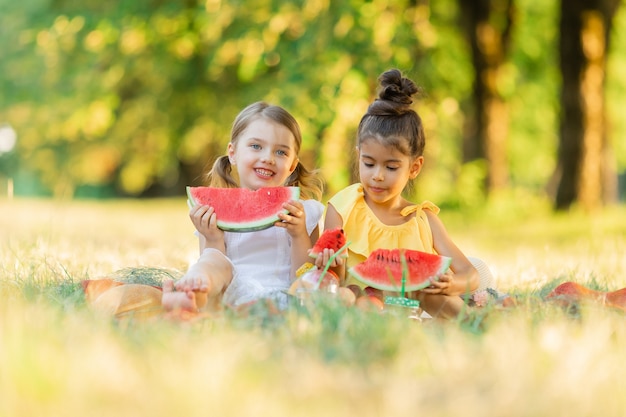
205 221
294 221
322 259
441 285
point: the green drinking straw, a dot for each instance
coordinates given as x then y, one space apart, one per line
405 272
330 260
405 269
402 300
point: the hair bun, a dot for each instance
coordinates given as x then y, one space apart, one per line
395 94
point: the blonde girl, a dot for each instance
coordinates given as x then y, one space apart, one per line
240 268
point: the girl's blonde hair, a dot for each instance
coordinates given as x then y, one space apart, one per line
310 182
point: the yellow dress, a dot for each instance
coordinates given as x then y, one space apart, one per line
367 232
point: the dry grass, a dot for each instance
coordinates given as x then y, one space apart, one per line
59 359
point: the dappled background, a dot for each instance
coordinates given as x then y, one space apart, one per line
522 98
524 111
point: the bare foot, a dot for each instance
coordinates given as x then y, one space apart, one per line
198 286
190 282
178 300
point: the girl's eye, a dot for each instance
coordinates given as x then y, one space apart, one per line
255 146
368 164
392 168
281 153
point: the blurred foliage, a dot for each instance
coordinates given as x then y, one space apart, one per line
137 98
616 88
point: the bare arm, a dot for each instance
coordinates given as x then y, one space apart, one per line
332 221
300 250
205 221
464 277
301 242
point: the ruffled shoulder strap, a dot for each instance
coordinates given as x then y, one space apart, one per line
425 205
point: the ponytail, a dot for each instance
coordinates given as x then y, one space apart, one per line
310 182
221 174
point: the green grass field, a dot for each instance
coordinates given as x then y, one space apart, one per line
57 358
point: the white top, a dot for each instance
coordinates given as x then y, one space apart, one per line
262 260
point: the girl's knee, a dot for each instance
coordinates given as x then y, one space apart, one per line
442 306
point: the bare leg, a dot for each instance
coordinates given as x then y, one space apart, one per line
441 306
371 299
207 279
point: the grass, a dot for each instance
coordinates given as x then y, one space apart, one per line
57 358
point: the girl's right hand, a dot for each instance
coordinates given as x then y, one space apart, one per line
322 259
205 221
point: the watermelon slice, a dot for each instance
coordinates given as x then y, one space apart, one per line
383 269
241 209
330 239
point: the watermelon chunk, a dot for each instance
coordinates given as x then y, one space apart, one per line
383 269
241 209
331 239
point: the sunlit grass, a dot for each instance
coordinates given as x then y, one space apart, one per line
58 358
526 244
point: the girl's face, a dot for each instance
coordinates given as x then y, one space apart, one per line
265 154
384 171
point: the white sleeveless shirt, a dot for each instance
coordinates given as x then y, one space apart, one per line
262 260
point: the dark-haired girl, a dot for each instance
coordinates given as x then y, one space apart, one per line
374 214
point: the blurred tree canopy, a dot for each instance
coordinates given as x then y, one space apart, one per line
128 98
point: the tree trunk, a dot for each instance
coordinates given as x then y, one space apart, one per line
487 24
585 170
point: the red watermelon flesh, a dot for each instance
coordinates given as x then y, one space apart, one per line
241 209
331 239
569 292
383 269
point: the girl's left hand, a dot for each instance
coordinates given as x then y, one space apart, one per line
441 285
295 220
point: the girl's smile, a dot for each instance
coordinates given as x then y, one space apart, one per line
265 154
264 173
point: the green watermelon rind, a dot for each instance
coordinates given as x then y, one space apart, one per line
261 224
385 284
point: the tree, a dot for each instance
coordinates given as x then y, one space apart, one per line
138 97
487 25
585 170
